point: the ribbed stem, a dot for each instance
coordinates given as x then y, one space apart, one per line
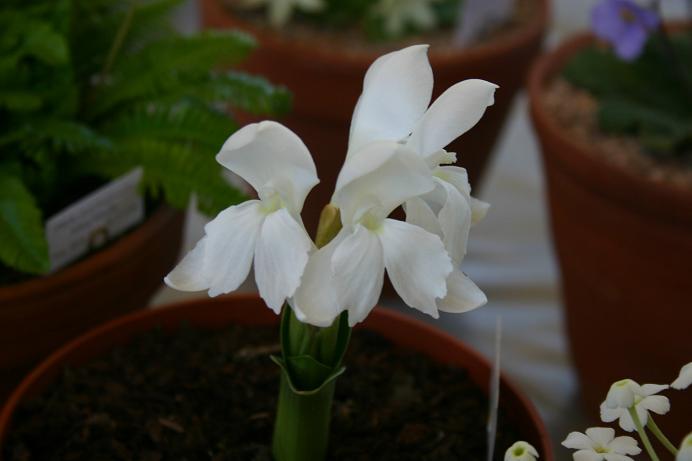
655 430
642 435
301 430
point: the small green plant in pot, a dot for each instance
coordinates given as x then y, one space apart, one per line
93 89
90 90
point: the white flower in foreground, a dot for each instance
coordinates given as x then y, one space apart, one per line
627 393
280 11
685 452
394 106
521 451
684 379
399 14
347 274
276 163
600 444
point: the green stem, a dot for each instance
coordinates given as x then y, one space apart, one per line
642 434
301 430
653 427
118 41
310 364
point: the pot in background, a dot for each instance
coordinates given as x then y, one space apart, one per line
624 245
326 80
248 309
41 314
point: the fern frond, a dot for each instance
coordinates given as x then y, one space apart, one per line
181 122
164 66
173 169
23 243
58 136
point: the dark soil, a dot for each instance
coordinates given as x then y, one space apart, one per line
201 395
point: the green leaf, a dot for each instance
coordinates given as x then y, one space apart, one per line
173 169
162 68
23 244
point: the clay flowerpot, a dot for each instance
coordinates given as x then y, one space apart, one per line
326 79
624 246
214 314
39 315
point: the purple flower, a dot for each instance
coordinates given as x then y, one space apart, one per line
625 25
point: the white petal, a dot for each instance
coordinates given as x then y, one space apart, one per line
280 258
396 91
521 451
383 175
358 265
601 435
455 112
587 455
191 274
420 214
479 209
271 158
616 457
231 238
651 389
622 393
455 220
685 453
577 440
684 379
659 404
315 301
462 294
625 445
417 264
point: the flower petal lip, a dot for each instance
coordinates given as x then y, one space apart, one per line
417 264
281 255
382 175
455 112
221 260
462 294
396 92
358 265
684 379
316 301
271 158
521 451
685 452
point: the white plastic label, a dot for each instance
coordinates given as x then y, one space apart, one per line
96 219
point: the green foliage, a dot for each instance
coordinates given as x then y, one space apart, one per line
90 89
21 228
647 98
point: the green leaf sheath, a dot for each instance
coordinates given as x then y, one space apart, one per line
22 241
646 98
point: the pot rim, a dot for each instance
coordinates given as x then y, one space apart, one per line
101 261
661 201
346 58
137 322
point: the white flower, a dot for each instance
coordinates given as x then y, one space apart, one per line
394 106
398 14
627 393
348 272
521 451
600 444
280 11
685 452
276 163
684 379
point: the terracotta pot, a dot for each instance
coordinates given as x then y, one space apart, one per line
326 81
248 309
624 245
41 314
